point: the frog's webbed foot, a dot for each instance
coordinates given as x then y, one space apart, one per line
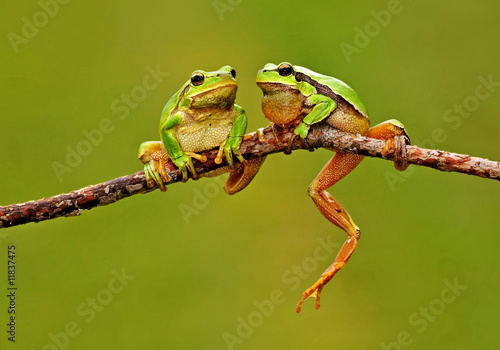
185 164
154 156
218 158
398 145
242 174
197 156
230 146
302 130
344 254
153 177
393 131
339 166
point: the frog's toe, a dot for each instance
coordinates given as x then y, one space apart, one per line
163 173
190 167
238 155
229 157
401 154
202 158
153 177
302 130
315 292
231 147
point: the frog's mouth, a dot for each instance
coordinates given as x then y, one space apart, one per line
275 88
221 96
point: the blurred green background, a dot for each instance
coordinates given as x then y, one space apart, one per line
425 274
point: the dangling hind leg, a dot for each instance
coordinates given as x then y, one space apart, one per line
338 167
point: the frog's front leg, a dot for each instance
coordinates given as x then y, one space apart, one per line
179 158
393 131
244 171
338 167
323 107
232 144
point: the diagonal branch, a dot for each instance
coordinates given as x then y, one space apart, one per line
276 140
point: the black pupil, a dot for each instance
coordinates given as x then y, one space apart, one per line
197 79
285 70
233 73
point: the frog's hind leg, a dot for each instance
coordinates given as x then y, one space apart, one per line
338 167
393 131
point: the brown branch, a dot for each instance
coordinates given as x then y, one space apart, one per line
276 140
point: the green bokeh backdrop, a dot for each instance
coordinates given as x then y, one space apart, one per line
197 277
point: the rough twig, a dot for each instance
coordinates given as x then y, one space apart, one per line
277 140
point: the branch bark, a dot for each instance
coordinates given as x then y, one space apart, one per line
277 140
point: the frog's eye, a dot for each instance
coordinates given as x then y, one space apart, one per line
285 70
233 72
197 79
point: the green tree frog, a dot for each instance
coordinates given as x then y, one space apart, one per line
200 116
295 95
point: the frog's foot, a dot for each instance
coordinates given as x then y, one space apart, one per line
339 166
163 173
397 146
197 156
153 177
185 164
396 138
218 159
242 174
154 156
316 288
230 146
302 130
260 134
345 253
155 173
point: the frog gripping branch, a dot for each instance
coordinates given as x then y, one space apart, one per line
294 95
201 123
200 116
